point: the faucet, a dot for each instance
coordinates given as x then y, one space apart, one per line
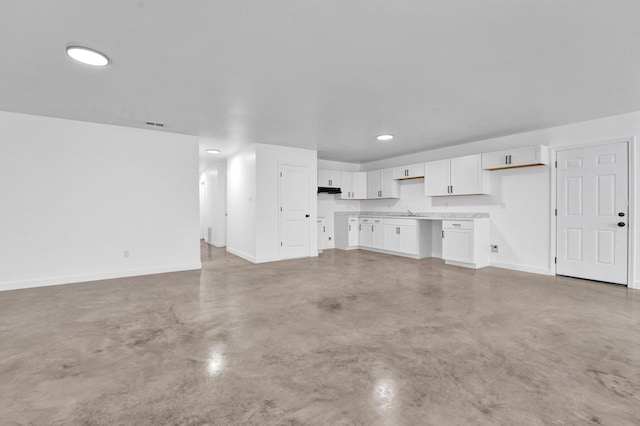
411 213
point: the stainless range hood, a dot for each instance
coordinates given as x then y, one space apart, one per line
328 190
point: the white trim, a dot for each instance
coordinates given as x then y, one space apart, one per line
275 259
215 243
524 268
243 255
72 279
631 187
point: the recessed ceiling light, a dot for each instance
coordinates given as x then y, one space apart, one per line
87 56
384 137
213 151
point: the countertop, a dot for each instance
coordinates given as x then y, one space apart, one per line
418 215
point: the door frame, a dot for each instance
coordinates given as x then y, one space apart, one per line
311 215
631 155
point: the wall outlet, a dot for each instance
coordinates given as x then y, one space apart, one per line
494 248
125 253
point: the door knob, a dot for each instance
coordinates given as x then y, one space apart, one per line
621 224
621 214
306 215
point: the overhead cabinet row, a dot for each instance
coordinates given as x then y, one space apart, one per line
467 175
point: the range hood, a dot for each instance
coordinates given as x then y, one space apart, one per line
328 190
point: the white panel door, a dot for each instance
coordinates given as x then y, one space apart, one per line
294 211
437 177
592 222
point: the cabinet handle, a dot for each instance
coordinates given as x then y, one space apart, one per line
324 229
442 233
509 158
349 227
359 227
506 159
371 228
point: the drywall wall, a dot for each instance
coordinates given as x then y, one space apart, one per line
213 183
521 200
76 196
269 158
328 204
241 203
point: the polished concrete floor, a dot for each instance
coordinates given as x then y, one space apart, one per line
350 338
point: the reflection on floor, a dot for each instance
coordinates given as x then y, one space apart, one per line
347 338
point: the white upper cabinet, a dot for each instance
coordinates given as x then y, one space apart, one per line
359 185
346 185
380 184
520 157
437 178
329 178
455 176
409 172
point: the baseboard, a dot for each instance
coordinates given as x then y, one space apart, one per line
215 243
635 286
522 268
267 259
72 279
243 255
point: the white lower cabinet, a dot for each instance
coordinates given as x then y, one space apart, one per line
371 233
400 235
466 242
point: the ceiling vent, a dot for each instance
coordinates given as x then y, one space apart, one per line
151 123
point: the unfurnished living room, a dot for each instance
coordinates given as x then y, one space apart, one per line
355 212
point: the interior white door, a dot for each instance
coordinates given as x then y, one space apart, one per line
294 211
592 218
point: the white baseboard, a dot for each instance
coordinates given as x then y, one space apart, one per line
71 279
241 254
267 259
522 268
215 243
635 285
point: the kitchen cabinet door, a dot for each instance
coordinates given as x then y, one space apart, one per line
467 175
359 185
407 239
457 245
378 235
409 172
366 232
389 187
531 155
346 185
437 178
391 238
329 178
353 233
374 184
495 160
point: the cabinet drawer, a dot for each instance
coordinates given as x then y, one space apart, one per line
457 224
401 222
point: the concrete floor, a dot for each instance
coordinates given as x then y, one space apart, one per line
348 338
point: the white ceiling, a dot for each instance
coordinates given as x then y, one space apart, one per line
327 75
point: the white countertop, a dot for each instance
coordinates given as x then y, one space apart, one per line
417 215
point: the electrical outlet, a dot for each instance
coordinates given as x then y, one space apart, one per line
494 248
125 253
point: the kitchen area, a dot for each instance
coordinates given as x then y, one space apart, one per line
411 211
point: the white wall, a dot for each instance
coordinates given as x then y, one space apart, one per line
213 181
75 195
328 204
241 203
521 200
269 158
